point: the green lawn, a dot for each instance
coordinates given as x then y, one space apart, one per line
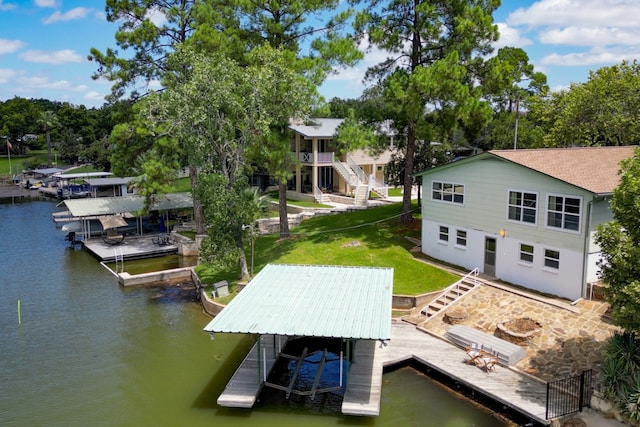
181 185
273 197
16 165
372 237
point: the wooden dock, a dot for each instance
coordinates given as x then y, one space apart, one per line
245 385
132 247
515 390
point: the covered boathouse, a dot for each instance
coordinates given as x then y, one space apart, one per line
285 302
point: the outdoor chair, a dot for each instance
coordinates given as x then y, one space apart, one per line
483 359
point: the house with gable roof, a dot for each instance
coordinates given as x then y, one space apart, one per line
527 217
322 171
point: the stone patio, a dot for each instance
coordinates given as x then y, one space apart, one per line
572 336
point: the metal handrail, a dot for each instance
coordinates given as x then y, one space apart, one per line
475 272
350 177
379 186
357 169
317 194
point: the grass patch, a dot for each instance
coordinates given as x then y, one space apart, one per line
373 237
85 169
395 192
301 203
181 185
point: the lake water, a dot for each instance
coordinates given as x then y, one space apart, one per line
89 352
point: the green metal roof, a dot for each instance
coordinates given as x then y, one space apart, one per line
312 300
114 205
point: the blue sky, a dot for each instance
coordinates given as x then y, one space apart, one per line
44 44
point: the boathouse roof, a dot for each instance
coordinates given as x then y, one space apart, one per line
313 301
115 205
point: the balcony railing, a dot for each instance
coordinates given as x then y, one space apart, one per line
323 158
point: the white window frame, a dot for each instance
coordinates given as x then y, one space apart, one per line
551 259
564 213
443 230
460 238
445 192
522 252
522 207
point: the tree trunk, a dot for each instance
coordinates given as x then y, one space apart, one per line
282 209
244 270
48 147
407 216
198 215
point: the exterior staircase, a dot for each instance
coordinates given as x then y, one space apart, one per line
452 294
361 195
360 188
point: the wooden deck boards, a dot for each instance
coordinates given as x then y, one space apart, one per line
364 387
243 388
131 247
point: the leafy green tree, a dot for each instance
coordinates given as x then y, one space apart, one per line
286 25
619 241
214 122
48 120
18 117
229 207
505 77
601 111
148 32
436 51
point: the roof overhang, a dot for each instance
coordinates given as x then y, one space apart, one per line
116 205
312 301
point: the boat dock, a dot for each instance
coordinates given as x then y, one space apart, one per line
520 392
131 247
243 388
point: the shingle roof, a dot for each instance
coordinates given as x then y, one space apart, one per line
312 300
592 168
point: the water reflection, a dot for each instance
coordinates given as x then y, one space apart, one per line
90 352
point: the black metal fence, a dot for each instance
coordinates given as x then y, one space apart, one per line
569 395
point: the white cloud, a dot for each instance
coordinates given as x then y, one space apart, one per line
156 16
588 58
10 46
510 36
54 57
6 6
590 36
76 13
7 74
154 84
94 96
46 3
42 82
552 13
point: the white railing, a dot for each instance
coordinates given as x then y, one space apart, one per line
473 273
349 176
357 169
322 158
317 194
379 186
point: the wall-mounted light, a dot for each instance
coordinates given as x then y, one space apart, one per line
503 232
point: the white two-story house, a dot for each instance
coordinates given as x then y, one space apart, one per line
527 217
321 170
